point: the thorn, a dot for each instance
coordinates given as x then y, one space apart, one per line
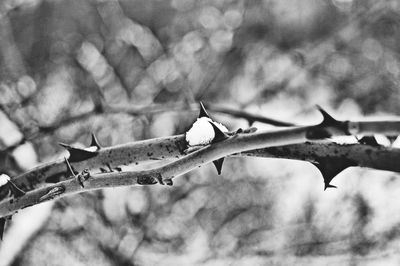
103 170
331 167
16 191
109 167
78 155
95 142
203 112
218 165
328 119
64 145
251 122
327 127
69 167
392 138
119 169
219 135
369 140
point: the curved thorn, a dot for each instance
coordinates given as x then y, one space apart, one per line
95 142
77 154
203 112
219 135
327 118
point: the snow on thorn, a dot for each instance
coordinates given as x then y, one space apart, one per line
202 132
4 179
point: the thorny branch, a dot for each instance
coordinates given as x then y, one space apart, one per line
292 143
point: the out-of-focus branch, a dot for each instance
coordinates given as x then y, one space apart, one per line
154 109
8 50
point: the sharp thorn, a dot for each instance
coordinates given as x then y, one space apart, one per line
109 167
69 167
219 135
103 170
76 154
64 145
218 165
328 120
95 142
203 112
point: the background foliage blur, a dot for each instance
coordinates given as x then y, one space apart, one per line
72 67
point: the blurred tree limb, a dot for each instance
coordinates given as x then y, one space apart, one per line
153 109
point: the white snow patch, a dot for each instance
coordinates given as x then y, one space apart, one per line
4 179
202 132
91 149
382 140
396 143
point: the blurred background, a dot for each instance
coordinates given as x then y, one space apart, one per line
130 69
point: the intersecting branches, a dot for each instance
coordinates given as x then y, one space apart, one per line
292 143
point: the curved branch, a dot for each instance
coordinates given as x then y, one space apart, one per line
234 144
163 148
239 143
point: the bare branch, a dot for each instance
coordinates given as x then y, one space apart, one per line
238 143
376 157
